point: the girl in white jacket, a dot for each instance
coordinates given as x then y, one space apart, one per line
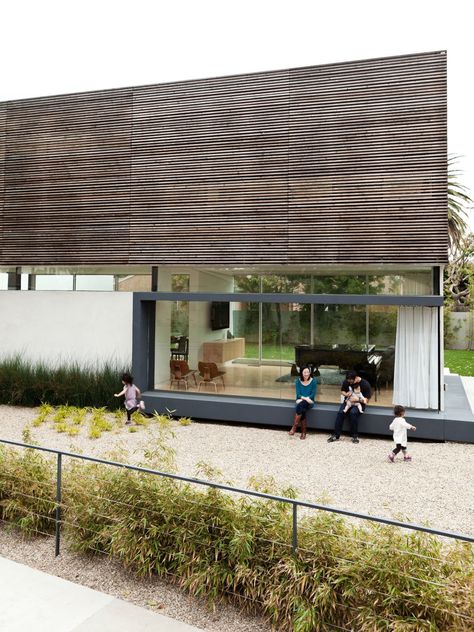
399 428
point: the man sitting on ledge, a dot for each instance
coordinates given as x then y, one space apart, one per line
346 388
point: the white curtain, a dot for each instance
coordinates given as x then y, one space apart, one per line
416 374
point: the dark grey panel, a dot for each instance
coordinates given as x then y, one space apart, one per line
316 299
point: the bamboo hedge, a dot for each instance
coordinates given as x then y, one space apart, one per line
221 546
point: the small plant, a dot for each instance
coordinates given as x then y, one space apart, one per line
44 413
118 417
139 419
185 421
159 454
78 415
27 436
209 472
98 423
94 433
61 414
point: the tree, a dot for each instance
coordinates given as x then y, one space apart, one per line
459 276
458 201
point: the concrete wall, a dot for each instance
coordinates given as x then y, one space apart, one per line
461 330
87 327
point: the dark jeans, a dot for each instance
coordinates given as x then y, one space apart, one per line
398 448
353 415
302 408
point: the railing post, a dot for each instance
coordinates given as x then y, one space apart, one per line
58 502
295 528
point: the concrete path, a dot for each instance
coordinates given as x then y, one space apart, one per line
32 600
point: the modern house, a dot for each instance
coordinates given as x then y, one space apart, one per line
243 225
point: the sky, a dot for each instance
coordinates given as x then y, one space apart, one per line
55 47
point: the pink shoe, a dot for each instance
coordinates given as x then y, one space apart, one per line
407 457
391 457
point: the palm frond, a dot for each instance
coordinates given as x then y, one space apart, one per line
458 201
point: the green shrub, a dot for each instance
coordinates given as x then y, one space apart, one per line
218 545
24 383
27 490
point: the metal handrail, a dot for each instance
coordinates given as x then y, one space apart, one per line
248 492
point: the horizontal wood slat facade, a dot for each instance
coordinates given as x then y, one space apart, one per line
343 163
3 119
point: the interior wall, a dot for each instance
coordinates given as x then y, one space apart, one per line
199 313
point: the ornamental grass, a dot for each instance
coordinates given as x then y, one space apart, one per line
25 383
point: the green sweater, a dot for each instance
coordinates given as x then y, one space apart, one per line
306 391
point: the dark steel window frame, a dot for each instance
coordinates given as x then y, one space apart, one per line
144 313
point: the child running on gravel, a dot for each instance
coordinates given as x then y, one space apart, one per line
399 428
132 396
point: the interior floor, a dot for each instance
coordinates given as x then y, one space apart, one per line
275 381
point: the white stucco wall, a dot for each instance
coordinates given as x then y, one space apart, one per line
87 327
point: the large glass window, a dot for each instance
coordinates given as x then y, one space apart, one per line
87 278
324 281
403 283
254 349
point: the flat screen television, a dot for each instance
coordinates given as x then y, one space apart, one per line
219 315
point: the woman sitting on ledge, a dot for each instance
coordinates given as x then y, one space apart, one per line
305 397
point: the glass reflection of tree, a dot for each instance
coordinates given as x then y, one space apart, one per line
180 309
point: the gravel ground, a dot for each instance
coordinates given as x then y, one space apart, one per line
436 488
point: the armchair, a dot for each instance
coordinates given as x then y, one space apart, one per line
180 373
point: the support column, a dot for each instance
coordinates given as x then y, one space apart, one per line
154 278
14 279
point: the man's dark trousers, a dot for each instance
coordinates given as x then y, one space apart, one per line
353 414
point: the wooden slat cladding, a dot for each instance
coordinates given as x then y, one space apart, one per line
210 171
3 121
336 164
367 170
67 180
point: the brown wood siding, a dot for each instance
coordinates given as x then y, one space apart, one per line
67 180
3 120
210 171
344 163
368 161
